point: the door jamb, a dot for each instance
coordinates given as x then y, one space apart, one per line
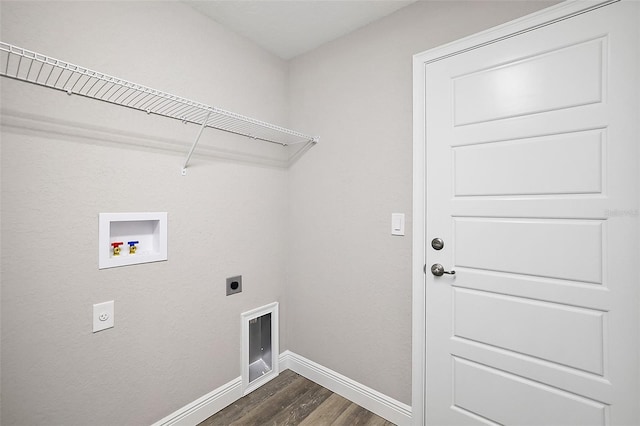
519 26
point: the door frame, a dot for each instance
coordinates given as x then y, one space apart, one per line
519 26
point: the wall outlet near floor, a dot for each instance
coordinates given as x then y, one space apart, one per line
102 316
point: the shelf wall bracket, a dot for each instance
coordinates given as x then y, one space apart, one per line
195 143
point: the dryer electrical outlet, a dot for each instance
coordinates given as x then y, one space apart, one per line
234 285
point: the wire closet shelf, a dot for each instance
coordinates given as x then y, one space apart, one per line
24 65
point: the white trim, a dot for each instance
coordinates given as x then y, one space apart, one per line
204 407
527 23
513 28
418 341
374 401
272 309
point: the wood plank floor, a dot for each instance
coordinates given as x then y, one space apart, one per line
291 399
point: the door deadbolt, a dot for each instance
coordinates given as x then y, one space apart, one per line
437 244
438 270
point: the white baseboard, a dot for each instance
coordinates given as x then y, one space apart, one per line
374 401
204 407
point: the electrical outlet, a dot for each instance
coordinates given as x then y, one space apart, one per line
102 316
234 285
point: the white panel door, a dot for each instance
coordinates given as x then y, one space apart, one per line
532 183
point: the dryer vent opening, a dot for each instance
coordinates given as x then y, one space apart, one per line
259 346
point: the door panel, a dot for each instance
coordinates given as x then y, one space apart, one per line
517 400
566 249
532 166
531 156
562 334
551 80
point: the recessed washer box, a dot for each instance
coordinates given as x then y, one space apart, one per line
147 230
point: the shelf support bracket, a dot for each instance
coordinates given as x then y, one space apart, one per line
195 143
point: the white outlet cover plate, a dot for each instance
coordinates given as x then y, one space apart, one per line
102 316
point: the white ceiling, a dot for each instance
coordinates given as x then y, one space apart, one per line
292 27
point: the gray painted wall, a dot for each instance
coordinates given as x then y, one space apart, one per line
315 236
349 284
176 334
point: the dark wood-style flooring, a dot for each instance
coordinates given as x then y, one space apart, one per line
291 399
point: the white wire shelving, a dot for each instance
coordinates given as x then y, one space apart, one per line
31 67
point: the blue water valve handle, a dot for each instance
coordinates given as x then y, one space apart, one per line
132 246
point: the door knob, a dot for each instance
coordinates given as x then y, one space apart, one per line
438 270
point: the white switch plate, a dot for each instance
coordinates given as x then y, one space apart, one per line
102 316
397 223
